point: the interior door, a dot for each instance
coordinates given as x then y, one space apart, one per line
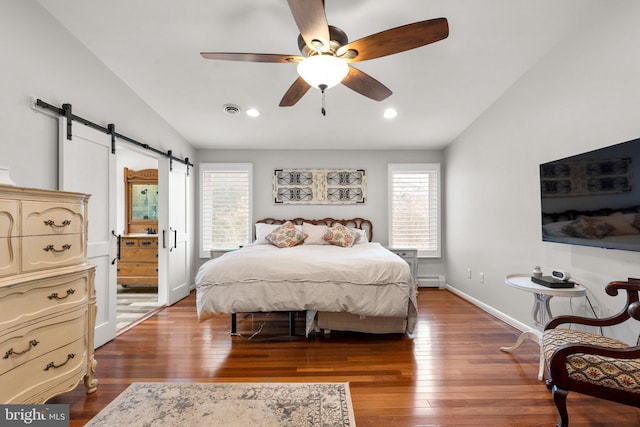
86 165
174 265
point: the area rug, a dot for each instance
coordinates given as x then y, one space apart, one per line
229 404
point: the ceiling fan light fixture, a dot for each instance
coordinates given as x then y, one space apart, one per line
323 70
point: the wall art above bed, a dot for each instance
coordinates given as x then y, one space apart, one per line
319 186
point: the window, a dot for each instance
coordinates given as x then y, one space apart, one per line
225 206
414 207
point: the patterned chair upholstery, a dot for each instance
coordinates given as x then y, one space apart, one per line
592 364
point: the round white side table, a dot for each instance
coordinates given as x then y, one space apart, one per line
541 312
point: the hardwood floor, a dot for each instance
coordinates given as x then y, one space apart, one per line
451 373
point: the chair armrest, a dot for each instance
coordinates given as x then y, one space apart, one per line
631 285
630 309
589 321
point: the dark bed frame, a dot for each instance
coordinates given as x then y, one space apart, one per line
359 223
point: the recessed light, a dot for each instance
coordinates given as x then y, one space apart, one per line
390 113
252 112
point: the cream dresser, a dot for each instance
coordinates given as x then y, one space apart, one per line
47 295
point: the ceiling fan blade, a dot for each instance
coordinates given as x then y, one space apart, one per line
397 39
366 85
253 57
295 92
311 21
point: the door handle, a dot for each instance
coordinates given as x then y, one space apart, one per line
175 239
119 237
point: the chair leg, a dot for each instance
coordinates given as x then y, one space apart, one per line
560 399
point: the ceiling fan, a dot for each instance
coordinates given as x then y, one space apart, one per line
327 53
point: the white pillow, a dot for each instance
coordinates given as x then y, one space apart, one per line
361 236
263 230
314 234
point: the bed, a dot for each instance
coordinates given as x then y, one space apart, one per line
362 287
603 228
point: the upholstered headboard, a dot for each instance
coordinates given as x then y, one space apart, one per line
359 223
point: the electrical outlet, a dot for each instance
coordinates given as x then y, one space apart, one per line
481 275
468 273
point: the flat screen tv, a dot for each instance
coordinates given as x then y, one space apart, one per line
593 198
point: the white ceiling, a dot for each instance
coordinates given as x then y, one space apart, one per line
439 90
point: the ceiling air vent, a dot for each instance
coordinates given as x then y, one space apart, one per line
231 109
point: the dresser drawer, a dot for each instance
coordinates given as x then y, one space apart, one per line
128 242
9 259
40 218
9 218
43 297
38 375
139 254
31 342
137 242
40 252
137 269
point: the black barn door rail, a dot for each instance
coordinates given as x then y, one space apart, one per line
67 111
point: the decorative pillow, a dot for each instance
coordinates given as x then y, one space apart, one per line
340 235
361 235
286 236
621 225
315 234
587 227
263 230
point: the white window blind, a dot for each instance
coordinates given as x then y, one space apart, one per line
225 206
414 205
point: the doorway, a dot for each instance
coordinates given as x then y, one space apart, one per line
137 214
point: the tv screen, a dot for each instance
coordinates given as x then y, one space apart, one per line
593 198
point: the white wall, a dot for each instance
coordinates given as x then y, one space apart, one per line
581 96
373 161
41 59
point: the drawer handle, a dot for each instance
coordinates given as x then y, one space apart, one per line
51 223
55 294
65 247
129 243
146 243
12 352
53 365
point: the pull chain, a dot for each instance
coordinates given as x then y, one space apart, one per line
323 110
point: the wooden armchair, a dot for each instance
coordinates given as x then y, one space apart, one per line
592 364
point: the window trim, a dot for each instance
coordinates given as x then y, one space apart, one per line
417 167
205 167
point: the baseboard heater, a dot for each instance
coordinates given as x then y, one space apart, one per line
431 281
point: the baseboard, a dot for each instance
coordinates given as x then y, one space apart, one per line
523 327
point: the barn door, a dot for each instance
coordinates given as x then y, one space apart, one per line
174 263
86 165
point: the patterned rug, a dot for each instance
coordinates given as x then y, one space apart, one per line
229 404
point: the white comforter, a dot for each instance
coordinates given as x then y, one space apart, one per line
365 279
